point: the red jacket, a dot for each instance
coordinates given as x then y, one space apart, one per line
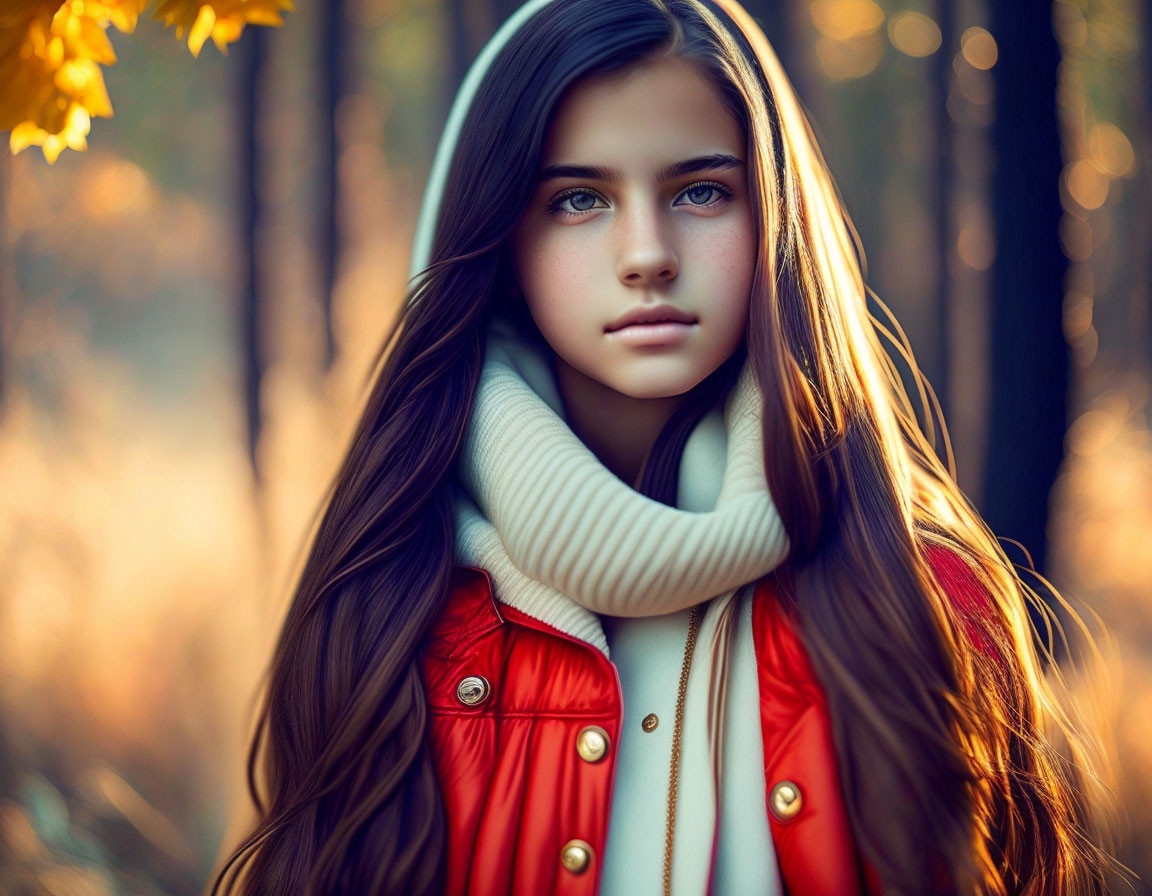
527 799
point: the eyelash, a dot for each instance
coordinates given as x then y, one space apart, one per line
554 203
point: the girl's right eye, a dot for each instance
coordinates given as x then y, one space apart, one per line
581 200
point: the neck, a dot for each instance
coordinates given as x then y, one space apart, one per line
619 429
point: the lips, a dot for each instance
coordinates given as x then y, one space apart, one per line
656 314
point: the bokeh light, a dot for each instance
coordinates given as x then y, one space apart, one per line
978 47
914 34
844 20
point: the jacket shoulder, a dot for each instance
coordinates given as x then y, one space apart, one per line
469 612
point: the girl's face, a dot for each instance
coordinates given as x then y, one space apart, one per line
636 251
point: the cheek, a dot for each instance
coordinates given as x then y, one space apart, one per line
730 254
553 271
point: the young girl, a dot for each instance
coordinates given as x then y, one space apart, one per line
639 575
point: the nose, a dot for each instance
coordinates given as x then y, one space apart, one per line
646 254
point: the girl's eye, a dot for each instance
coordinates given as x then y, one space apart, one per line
701 192
582 201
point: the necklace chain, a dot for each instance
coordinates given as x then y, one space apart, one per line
674 773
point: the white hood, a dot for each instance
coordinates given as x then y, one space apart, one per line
442 162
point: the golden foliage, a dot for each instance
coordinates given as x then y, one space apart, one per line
51 53
222 20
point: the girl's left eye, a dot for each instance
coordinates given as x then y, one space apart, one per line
703 191
698 197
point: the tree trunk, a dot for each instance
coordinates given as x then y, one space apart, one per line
1029 355
460 42
939 363
502 9
252 48
333 85
1146 144
7 283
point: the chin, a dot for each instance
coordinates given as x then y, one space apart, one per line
658 386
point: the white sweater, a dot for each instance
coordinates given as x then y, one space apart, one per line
648 653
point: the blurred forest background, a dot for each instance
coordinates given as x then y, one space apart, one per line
188 311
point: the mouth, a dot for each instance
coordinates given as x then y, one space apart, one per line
657 316
652 334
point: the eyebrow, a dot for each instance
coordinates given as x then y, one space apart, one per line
717 161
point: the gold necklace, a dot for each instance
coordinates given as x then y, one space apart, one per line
674 773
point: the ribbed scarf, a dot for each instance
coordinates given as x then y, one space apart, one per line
564 540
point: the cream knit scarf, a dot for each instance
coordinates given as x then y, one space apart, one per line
563 539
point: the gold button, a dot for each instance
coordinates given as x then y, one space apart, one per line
472 690
650 722
785 801
592 743
576 856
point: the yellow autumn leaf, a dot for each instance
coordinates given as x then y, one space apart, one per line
52 82
222 20
51 52
73 134
82 80
49 63
123 14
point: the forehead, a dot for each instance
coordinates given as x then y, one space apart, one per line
661 110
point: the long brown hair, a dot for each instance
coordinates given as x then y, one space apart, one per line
956 766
